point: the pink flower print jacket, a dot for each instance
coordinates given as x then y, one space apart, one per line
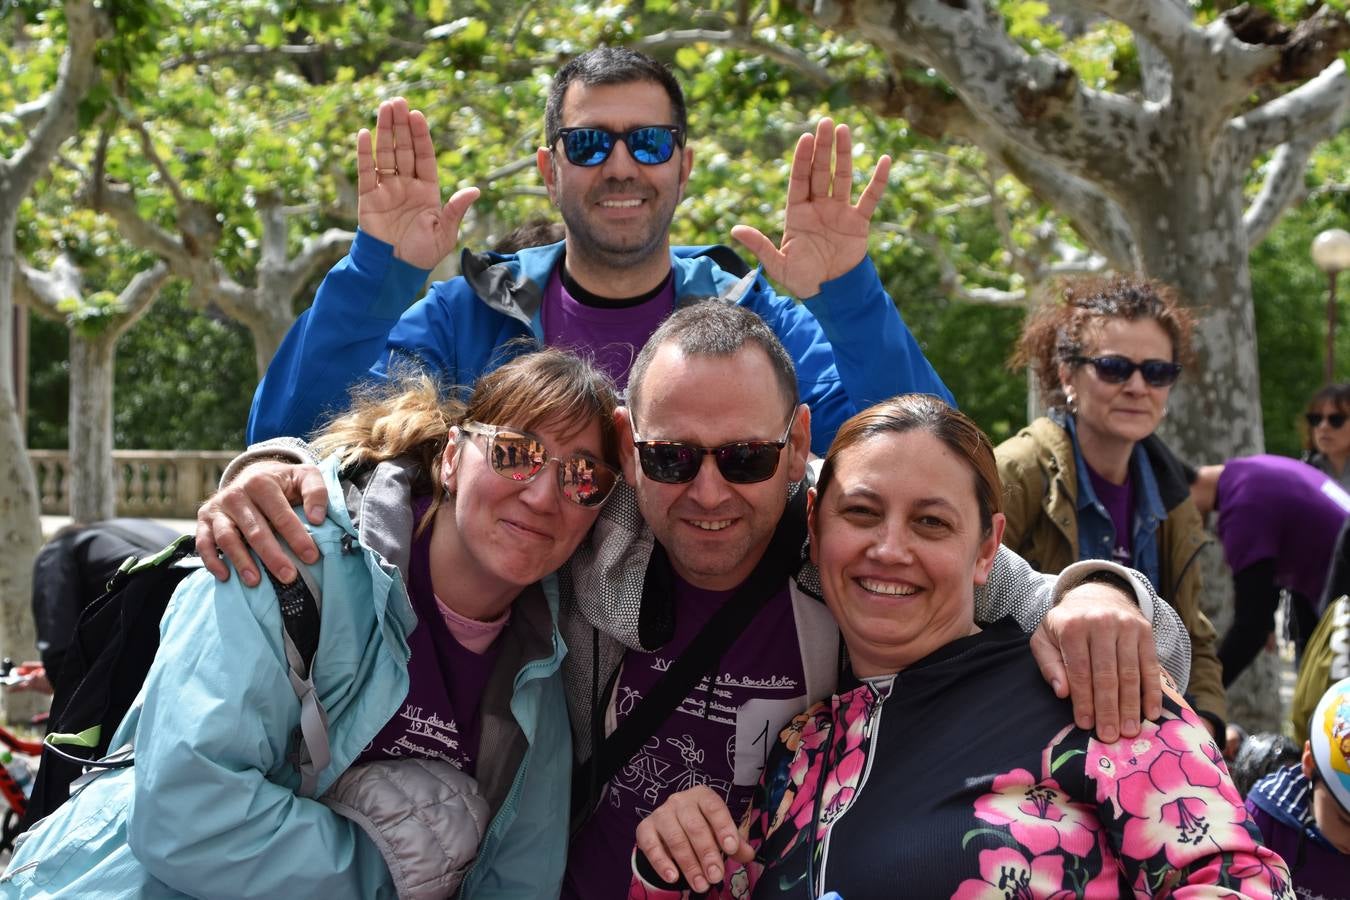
963 777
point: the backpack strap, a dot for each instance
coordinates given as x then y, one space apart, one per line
780 562
300 604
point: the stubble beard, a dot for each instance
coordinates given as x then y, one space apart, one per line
586 243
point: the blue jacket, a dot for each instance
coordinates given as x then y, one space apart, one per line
210 808
849 343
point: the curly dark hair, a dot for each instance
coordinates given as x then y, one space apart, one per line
1060 331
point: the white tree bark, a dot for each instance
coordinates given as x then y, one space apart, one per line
1154 182
267 308
93 485
20 525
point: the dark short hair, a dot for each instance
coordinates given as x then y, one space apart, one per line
532 233
1338 395
613 65
715 327
1058 331
924 412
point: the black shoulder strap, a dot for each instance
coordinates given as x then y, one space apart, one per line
780 562
727 260
300 618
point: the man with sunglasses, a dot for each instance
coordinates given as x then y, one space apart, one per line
717 445
616 164
718 477
1278 520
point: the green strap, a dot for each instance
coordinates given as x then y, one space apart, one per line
87 738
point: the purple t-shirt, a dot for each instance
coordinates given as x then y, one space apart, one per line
719 736
1119 502
1273 507
613 334
439 717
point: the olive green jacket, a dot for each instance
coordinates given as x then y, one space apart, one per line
1040 500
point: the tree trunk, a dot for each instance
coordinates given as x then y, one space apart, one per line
93 483
1193 238
20 524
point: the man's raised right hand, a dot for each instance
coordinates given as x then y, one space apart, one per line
252 511
398 189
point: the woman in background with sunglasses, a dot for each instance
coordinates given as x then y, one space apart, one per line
1328 443
438 659
1091 480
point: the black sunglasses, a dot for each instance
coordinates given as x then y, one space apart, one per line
1334 420
1118 369
740 462
520 456
650 145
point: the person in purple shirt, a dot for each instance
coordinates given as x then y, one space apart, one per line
1277 520
616 162
714 445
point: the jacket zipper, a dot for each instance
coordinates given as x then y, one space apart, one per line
870 731
526 673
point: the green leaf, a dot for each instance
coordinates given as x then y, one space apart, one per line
1065 757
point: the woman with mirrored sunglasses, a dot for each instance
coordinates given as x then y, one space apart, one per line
1327 445
1091 479
438 665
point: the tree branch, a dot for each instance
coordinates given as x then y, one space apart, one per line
139 295
740 39
1036 101
1282 187
317 254
26 115
949 279
1167 26
118 201
44 291
1314 110
1092 214
84 25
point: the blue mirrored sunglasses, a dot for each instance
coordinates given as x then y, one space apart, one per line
650 145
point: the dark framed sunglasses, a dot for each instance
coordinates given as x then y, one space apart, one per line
1333 420
521 456
650 145
1118 369
740 462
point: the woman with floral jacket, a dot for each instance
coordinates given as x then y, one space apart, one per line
951 769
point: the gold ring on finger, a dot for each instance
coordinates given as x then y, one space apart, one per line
382 172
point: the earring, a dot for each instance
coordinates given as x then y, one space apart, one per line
445 491
1071 400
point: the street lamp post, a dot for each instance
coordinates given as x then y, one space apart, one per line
1331 254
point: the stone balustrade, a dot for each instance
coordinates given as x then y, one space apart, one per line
166 484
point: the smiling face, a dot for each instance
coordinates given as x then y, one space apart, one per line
898 541
1113 414
713 530
618 213
509 534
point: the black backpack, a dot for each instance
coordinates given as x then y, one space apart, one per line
110 655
